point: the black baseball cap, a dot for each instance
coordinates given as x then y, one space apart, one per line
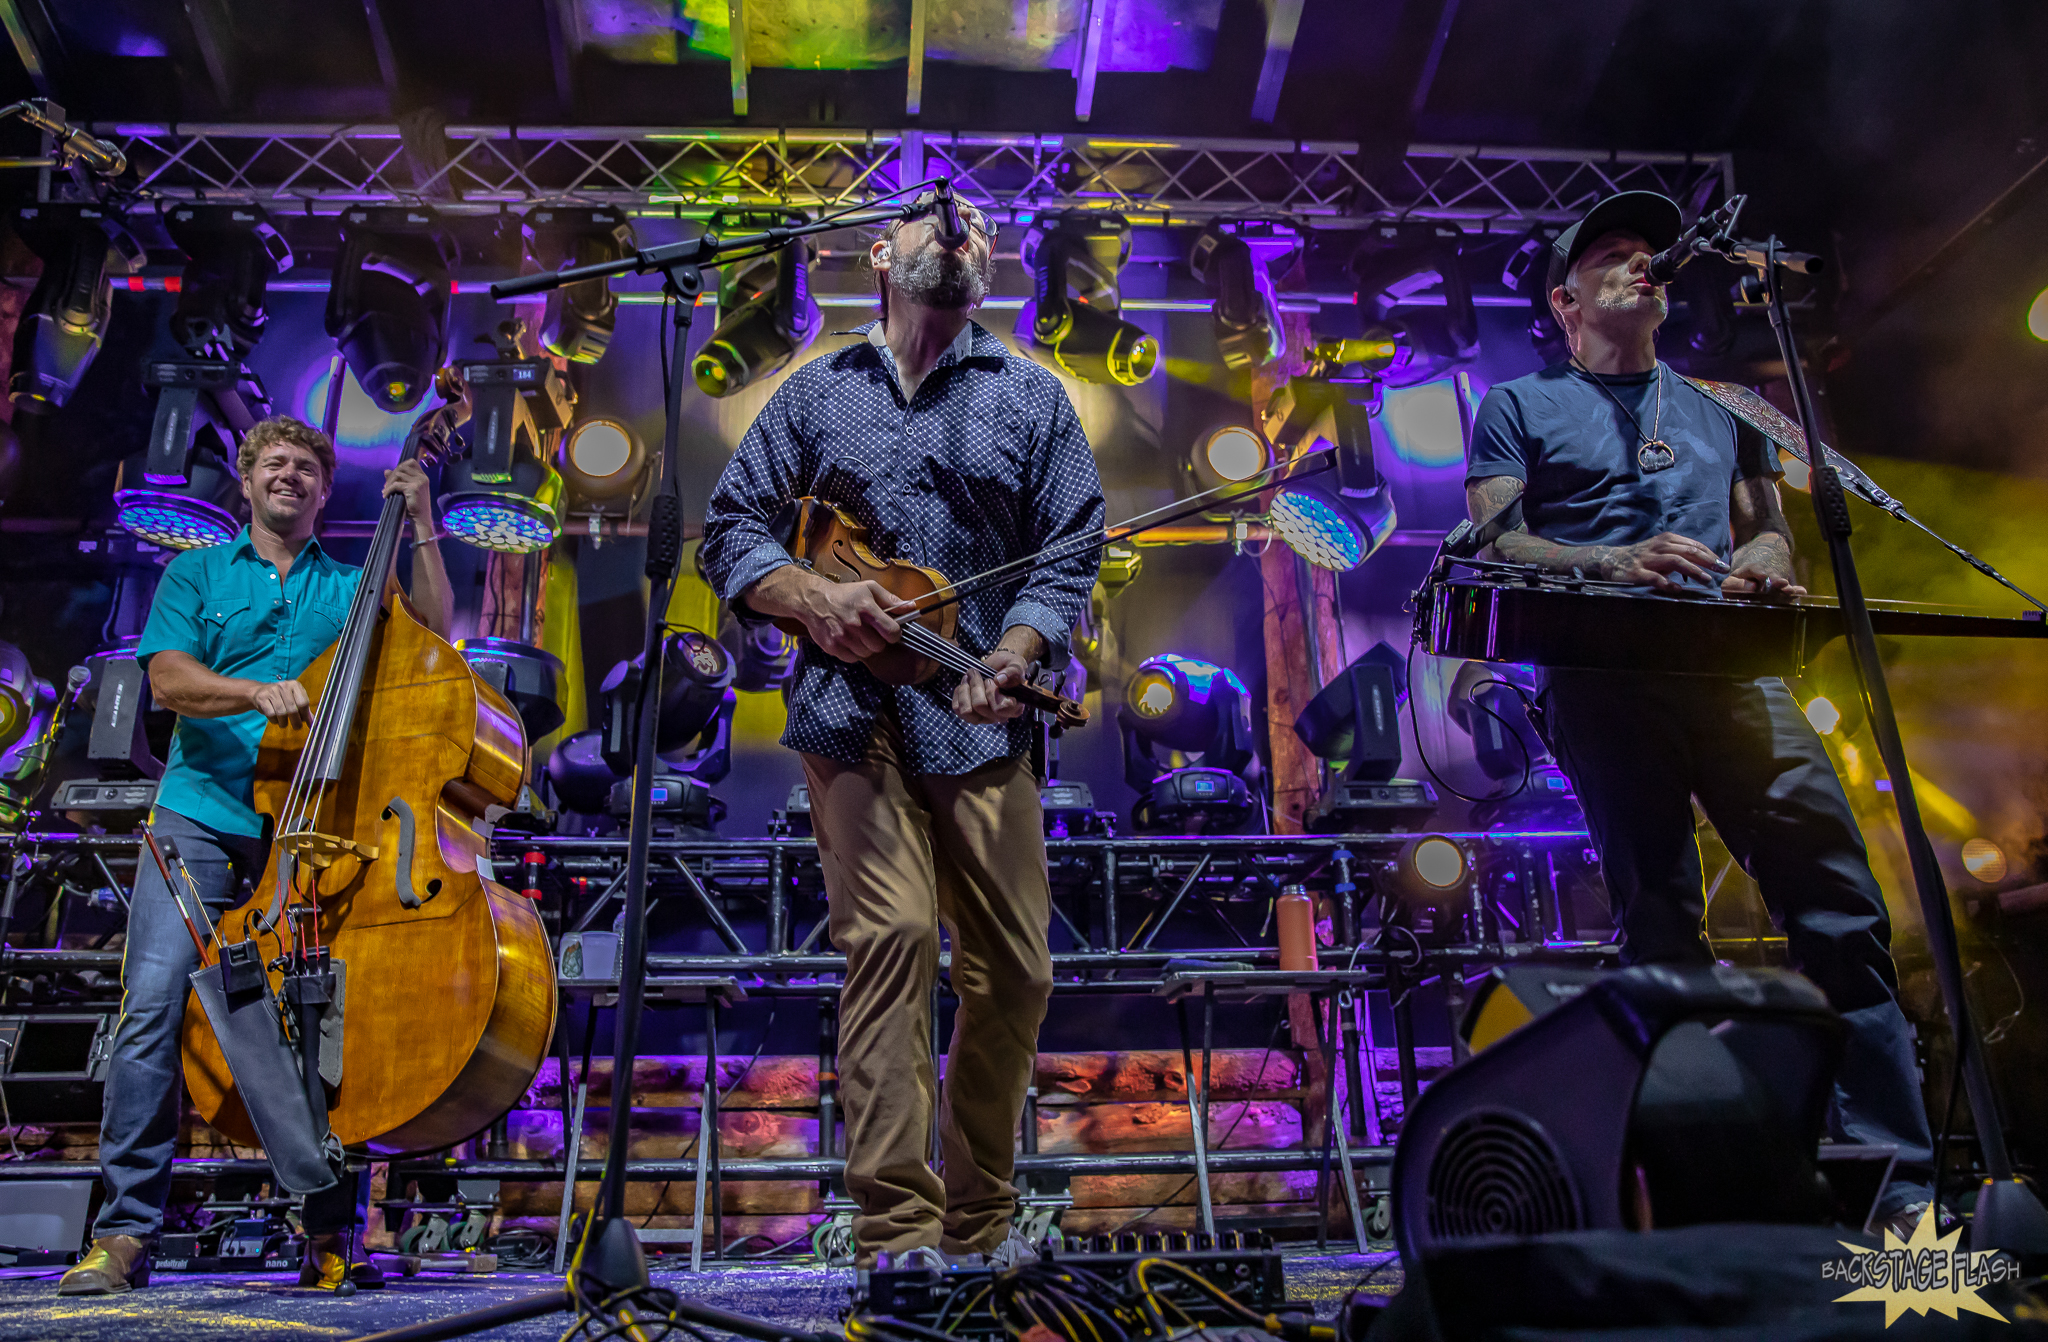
1655 219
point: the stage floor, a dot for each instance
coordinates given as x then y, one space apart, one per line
182 1307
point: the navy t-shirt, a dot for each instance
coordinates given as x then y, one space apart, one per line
1575 452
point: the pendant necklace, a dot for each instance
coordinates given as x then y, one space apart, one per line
1655 454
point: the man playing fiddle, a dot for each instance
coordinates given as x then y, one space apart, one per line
230 630
958 455
1627 473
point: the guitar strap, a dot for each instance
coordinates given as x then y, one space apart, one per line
1752 409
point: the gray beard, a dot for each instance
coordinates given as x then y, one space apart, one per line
937 279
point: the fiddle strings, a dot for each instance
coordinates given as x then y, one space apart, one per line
1167 512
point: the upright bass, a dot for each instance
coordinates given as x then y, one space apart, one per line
444 985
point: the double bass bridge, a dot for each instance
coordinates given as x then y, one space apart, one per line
321 851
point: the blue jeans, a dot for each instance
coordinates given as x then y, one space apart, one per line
139 1123
1639 749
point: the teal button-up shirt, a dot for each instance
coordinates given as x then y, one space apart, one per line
225 607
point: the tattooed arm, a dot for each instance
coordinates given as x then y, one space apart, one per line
1763 541
1651 563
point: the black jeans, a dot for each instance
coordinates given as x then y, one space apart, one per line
1639 749
139 1123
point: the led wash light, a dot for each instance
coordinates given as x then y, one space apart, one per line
501 495
1320 529
506 522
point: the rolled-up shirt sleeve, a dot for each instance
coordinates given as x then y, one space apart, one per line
740 547
1063 500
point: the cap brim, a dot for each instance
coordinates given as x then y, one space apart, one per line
1654 218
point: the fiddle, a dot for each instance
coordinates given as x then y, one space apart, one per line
831 544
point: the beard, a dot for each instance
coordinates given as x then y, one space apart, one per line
936 278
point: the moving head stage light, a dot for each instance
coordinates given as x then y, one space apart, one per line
1487 703
67 313
770 316
388 309
28 726
231 252
1354 721
182 491
1246 315
1083 251
1334 529
1196 709
580 318
1395 261
591 771
502 494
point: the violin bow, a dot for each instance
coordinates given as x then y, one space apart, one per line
1296 469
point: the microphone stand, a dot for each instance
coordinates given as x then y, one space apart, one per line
612 1276
2008 1215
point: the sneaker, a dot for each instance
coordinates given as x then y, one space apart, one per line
113 1265
1902 1223
1014 1251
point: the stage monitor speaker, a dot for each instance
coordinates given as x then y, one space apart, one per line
1695 1095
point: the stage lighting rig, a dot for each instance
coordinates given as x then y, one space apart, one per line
765 659
581 318
1199 711
527 676
1395 261
1354 725
182 491
502 494
692 734
388 307
1334 529
1488 702
67 313
604 466
1083 251
231 252
1231 260
769 313
28 727
1225 455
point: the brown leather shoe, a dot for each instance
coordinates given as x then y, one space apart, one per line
327 1262
115 1264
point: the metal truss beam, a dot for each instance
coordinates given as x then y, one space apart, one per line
686 171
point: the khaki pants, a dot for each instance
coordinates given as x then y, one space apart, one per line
902 854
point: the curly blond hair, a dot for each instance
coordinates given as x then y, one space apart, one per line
285 429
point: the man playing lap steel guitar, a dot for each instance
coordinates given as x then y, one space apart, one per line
959 455
1627 473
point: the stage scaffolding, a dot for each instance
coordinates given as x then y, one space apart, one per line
656 170
1139 916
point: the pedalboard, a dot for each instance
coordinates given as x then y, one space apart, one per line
1247 1268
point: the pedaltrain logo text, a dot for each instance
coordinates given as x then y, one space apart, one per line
1928 1273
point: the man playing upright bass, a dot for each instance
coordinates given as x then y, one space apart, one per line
230 630
1628 473
958 455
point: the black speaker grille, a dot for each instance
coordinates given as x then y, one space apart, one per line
1496 1173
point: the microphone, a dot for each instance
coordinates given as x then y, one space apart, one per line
952 233
96 154
1664 265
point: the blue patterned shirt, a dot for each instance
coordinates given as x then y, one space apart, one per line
986 463
225 607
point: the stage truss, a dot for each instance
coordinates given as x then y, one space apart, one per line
486 168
